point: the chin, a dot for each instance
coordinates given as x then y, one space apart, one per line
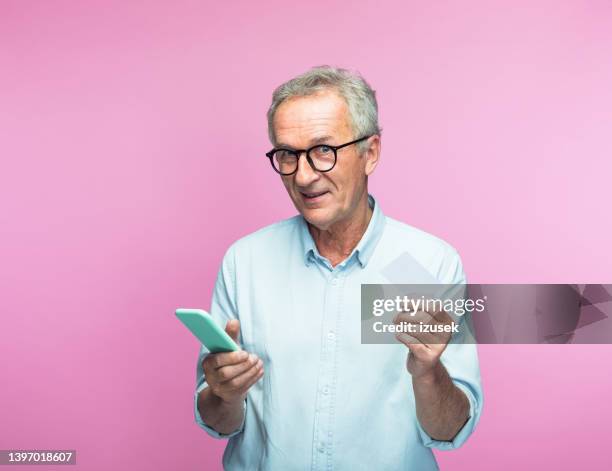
318 217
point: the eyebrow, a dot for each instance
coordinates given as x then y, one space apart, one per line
314 142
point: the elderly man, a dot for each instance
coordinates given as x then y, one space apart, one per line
305 393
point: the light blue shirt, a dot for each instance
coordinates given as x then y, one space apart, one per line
327 401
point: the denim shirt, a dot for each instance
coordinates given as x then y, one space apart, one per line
327 401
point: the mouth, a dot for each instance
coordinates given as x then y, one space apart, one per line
312 197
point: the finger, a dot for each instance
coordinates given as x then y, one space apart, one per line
439 316
410 339
418 333
219 360
419 350
227 373
425 316
415 316
233 329
421 332
256 378
240 381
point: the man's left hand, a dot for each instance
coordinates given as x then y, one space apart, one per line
425 345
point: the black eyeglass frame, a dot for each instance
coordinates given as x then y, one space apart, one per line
299 152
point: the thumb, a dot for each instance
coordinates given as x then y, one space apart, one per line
233 328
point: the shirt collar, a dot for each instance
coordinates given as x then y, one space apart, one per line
365 247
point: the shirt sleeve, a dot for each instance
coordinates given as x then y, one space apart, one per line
223 308
460 358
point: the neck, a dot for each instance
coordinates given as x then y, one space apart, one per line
338 241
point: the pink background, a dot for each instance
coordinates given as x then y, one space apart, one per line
132 139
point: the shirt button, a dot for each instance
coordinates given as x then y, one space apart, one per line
321 447
334 281
325 390
330 335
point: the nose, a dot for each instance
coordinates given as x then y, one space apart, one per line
305 174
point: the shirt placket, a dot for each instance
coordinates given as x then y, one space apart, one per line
326 390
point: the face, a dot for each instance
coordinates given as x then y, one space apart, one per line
324 198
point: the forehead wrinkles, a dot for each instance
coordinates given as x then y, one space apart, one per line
307 117
307 129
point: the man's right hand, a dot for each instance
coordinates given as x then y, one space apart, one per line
230 374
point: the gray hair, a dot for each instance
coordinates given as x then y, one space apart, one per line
359 97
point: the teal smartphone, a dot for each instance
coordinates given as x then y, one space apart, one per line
203 326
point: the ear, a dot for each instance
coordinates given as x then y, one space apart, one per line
372 154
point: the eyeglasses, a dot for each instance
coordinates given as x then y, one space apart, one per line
321 157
